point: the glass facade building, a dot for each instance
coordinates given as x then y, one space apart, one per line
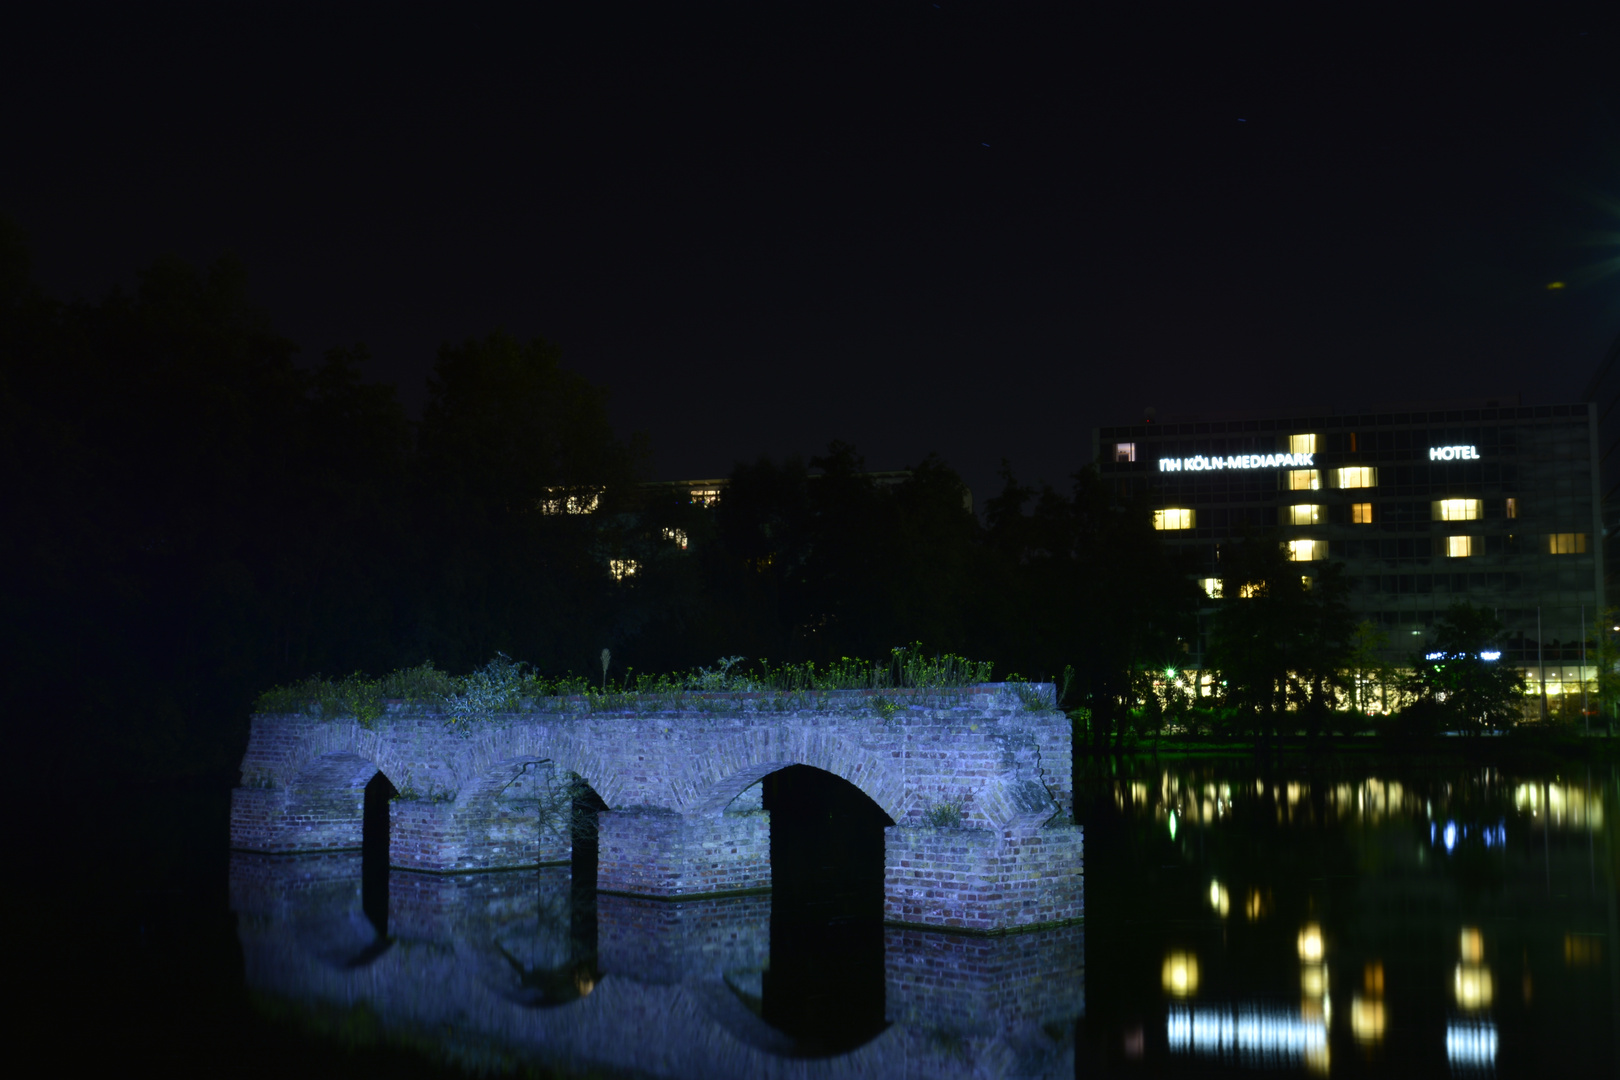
1604 394
1422 505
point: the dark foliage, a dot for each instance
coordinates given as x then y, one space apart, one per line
1456 684
194 517
1283 635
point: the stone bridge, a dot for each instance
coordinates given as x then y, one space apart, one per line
977 782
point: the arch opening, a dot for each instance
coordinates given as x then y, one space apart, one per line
374 851
585 807
825 985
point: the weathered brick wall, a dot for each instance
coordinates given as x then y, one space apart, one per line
960 1007
964 745
983 879
485 795
656 852
517 821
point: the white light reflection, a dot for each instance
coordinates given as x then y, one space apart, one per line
1471 1044
1490 835
1254 1036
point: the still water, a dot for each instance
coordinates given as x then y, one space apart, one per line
1328 918
1343 919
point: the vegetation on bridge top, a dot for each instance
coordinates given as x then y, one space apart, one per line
505 685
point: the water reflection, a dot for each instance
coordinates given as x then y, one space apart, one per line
1387 910
521 966
1248 1036
1181 974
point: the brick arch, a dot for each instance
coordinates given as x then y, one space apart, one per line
743 760
323 801
323 743
486 760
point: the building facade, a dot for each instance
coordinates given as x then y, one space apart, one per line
1424 506
1603 392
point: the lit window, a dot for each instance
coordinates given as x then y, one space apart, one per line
1250 591
1456 510
1172 519
1361 513
1513 508
1566 544
1459 547
1302 444
1125 451
1305 514
677 535
1307 550
1304 480
1358 476
623 568
1211 587
705 496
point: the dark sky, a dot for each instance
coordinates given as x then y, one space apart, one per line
978 229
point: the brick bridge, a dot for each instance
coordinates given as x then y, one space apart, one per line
682 784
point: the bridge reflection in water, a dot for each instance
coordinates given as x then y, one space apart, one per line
488 968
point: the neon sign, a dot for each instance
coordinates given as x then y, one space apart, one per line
1453 453
1237 461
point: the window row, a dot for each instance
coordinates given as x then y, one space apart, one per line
1361 513
1351 476
1398 584
1456 546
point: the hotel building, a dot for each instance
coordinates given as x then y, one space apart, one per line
1424 505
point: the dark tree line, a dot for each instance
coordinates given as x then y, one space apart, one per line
193 516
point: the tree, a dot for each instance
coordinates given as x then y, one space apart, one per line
1281 638
1083 580
1462 676
1370 675
520 486
1605 657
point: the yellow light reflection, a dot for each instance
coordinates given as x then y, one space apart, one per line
1316 1058
1310 943
1180 974
1367 1019
1255 906
1566 806
1372 979
1472 945
1473 986
1313 979
1219 899
1582 950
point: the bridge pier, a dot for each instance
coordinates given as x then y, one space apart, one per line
983 879
450 837
651 851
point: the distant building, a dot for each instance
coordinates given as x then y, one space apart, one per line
708 492
1425 505
1604 393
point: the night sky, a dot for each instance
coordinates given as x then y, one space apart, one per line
971 228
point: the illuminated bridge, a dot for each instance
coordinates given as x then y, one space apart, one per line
976 781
